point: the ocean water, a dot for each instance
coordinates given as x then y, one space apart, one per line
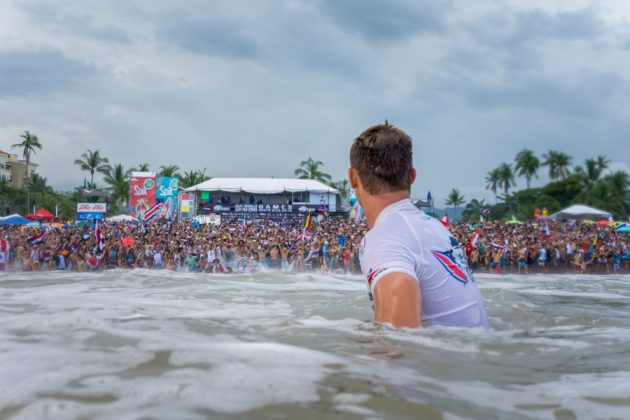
156 344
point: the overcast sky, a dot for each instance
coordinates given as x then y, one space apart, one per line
250 88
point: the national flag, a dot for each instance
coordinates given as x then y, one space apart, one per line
485 212
153 211
36 239
5 246
429 196
444 221
99 236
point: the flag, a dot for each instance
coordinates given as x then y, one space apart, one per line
475 239
444 221
308 223
153 211
99 236
429 196
36 239
485 212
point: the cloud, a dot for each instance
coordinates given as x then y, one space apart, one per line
39 72
377 20
210 36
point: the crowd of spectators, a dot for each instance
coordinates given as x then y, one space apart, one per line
333 246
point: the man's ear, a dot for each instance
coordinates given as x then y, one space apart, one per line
412 175
353 178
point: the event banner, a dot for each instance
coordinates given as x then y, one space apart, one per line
167 189
142 193
91 211
186 205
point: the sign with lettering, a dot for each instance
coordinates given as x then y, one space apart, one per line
91 207
142 193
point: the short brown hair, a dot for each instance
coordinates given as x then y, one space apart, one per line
383 158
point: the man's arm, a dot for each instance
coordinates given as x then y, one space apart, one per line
397 301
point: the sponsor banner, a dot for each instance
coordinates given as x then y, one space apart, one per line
167 188
91 207
90 216
142 193
269 208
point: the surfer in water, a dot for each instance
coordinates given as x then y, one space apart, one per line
416 270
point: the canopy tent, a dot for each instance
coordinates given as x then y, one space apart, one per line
262 185
625 228
122 218
14 219
513 221
581 212
41 215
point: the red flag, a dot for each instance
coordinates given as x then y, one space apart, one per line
35 239
444 221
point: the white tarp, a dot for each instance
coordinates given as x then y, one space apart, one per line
580 211
262 185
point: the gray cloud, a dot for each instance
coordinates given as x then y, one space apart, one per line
77 24
388 20
39 72
211 36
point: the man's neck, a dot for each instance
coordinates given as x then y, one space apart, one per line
375 204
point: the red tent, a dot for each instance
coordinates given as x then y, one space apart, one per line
41 215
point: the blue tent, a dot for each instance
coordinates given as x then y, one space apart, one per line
14 219
625 228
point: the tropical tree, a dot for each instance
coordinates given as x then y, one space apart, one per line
558 164
602 163
590 174
191 178
310 169
506 181
343 186
118 180
472 211
39 184
29 143
492 181
455 199
92 162
169 171
527 165
143 167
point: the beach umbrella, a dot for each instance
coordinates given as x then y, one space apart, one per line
588 222
602 222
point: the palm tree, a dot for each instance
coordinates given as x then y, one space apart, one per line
28 145
506 180
92 161
527 165
169 171
118 179
343 186
193 178
602 163
492 181
590 174
143 167
39 184
455 199
309 169
473 210
558 164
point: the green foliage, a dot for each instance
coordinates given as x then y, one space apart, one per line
472 211
169 171
343 186
558 164
92 162
118 180
310 169
191 178
527 165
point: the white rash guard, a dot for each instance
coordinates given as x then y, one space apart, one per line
406 240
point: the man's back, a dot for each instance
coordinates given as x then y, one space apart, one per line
404 239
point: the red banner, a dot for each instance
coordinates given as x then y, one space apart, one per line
142 192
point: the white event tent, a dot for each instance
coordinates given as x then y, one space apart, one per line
581 212
307 191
